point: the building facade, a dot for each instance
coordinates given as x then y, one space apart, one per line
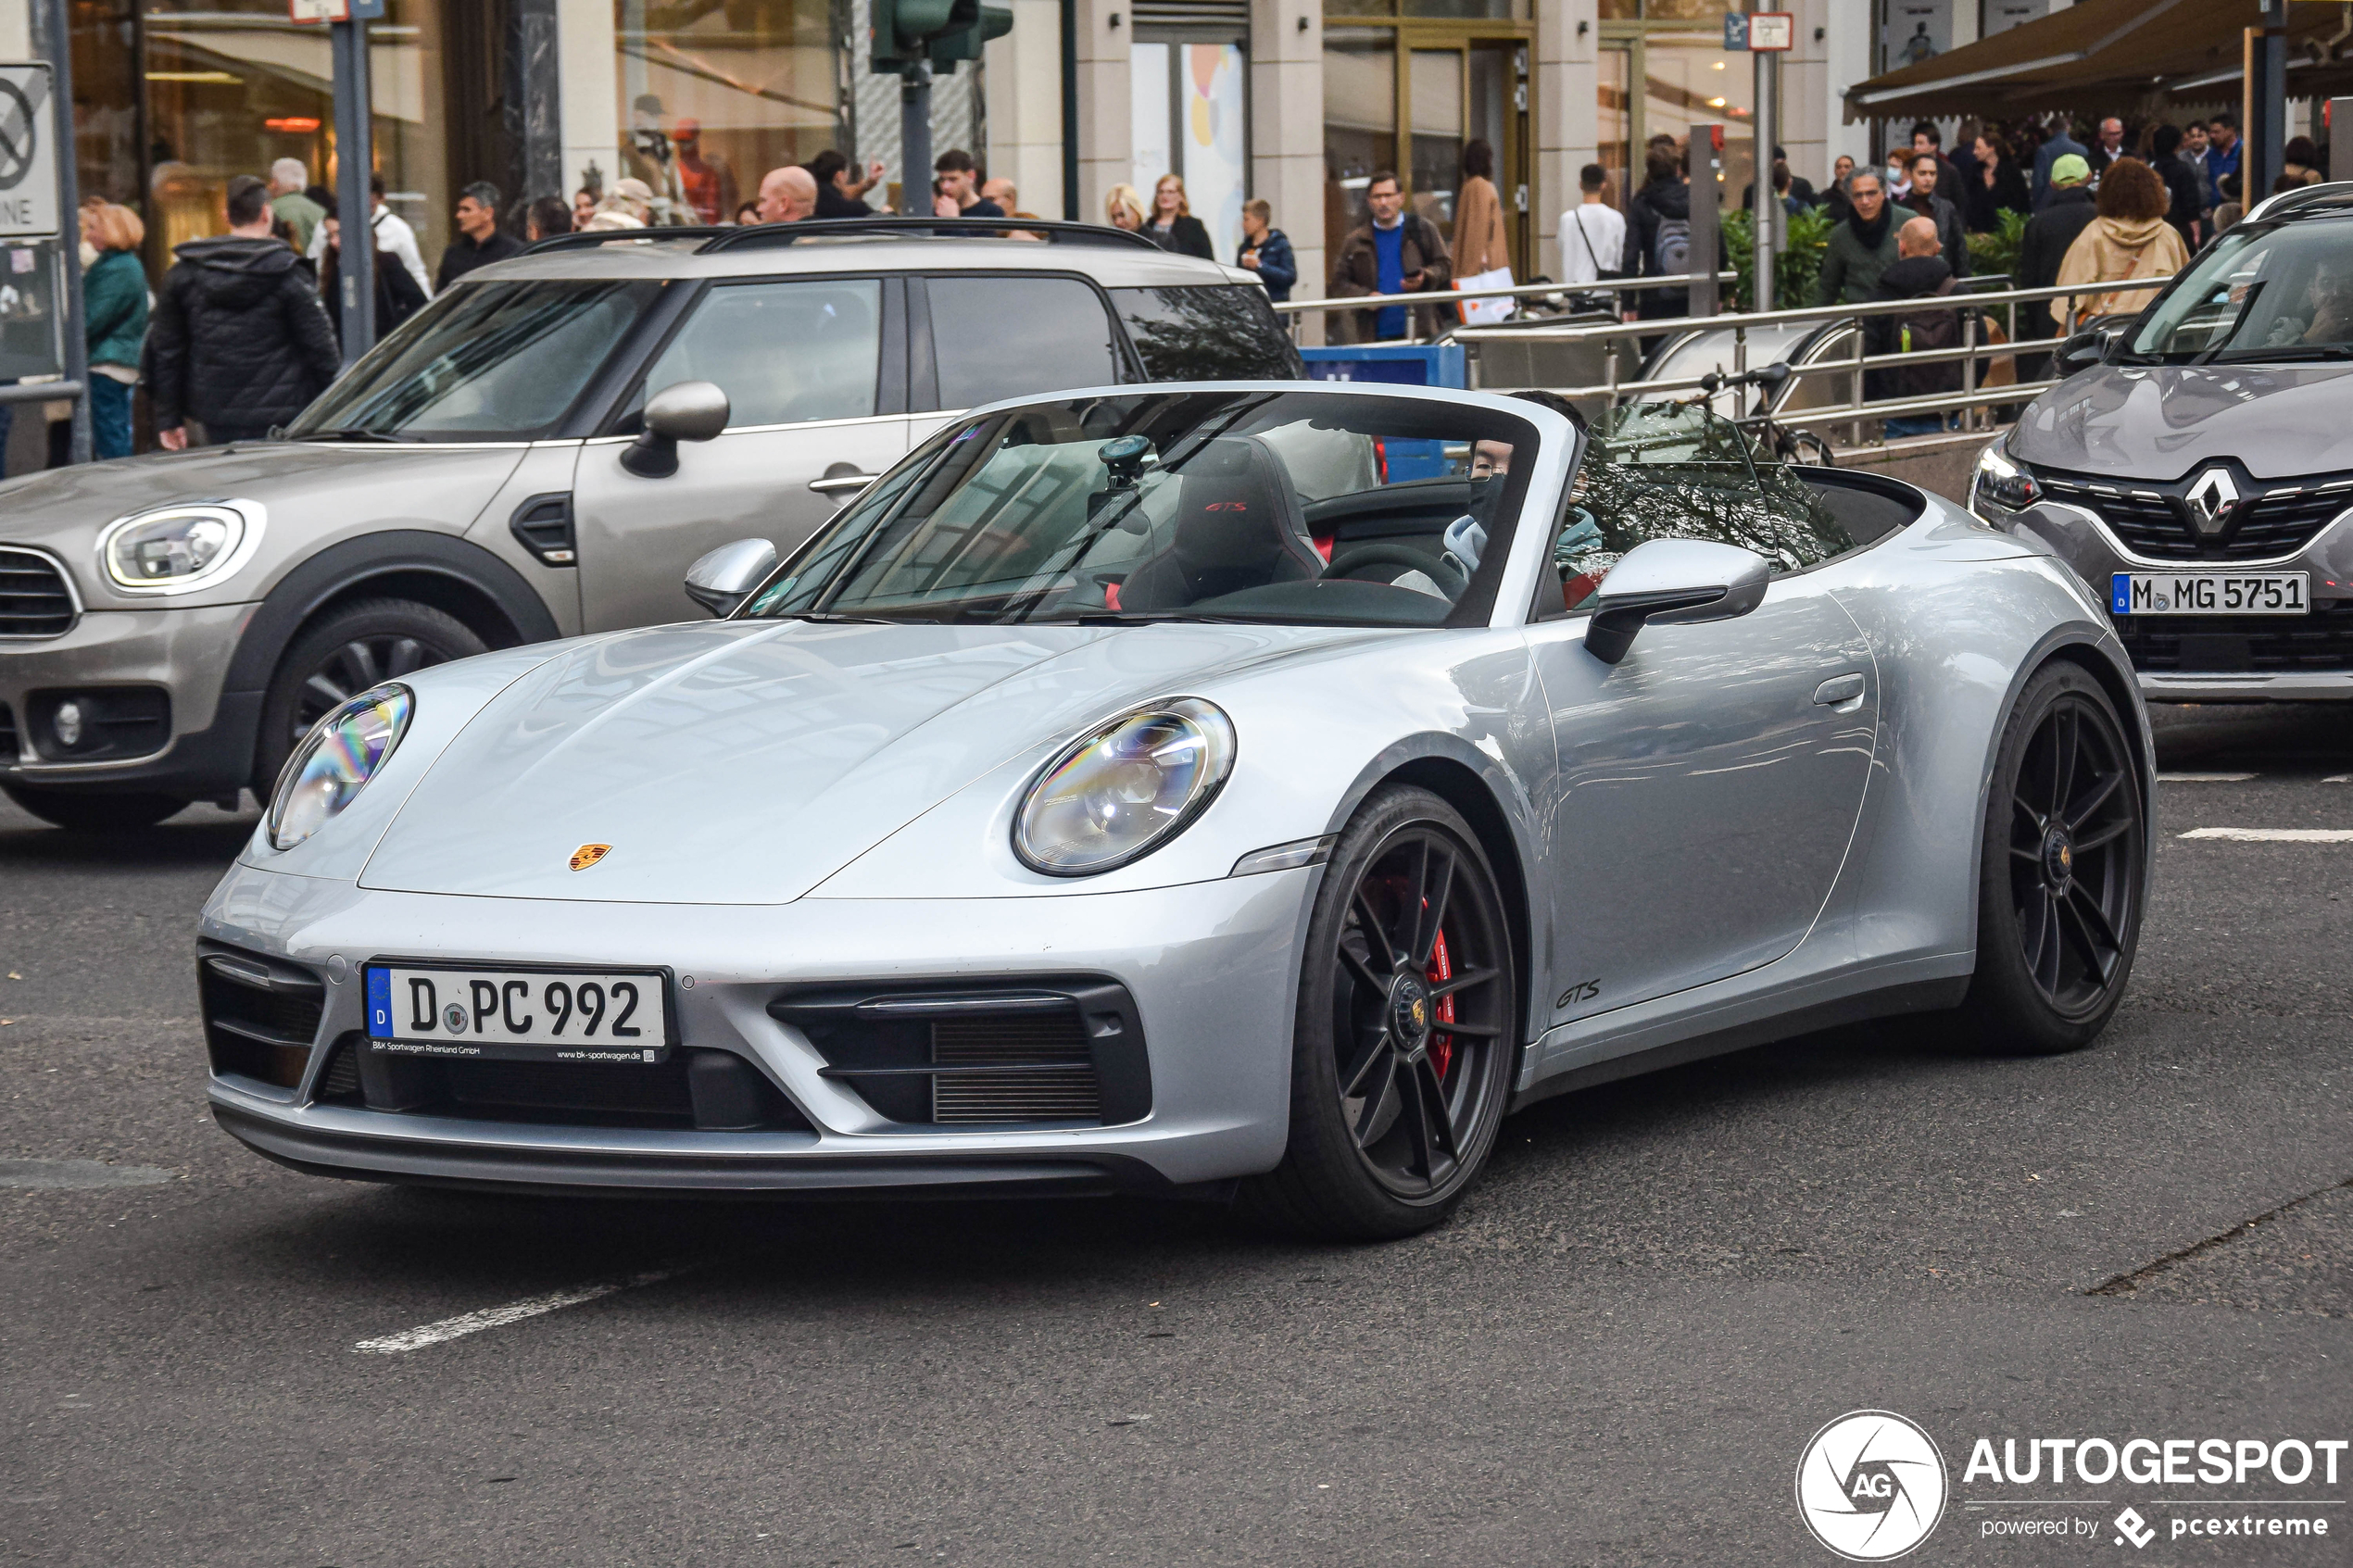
1296 101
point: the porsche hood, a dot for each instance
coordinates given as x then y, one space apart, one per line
745 763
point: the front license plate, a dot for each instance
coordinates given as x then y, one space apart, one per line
519 1015
2210 593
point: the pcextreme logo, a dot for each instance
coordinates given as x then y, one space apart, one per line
1871 1486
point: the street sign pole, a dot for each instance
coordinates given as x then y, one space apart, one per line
55 42
1765 229
355 162
1707 201
914 139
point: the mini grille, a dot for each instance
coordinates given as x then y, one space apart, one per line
2223 644
35 601
1046 1069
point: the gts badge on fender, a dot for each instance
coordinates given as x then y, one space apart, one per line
1583 991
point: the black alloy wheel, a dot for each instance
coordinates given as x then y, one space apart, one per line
1404 1042
2060 888
361 645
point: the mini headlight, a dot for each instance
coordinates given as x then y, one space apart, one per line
335 761
1116 794
177 549
2004 483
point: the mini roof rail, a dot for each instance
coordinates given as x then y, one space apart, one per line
589 239
757 236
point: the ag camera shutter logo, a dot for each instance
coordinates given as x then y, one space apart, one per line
1871 1486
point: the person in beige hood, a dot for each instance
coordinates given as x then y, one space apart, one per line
2130 238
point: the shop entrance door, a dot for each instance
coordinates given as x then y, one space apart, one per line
1458 93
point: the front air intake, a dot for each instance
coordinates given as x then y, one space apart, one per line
260 1015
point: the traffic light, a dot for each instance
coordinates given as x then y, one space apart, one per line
902 29
908 33
970 25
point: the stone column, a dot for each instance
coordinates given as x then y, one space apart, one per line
1106 127
534 108
1286 128
1023 90
1566 112
589 111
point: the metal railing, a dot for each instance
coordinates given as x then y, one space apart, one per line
1517 291
1975 357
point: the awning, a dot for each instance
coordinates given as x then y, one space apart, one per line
2112 56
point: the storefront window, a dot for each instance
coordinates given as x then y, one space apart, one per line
1613 127
1360 122
713 96
1689 79
1187 99
232 87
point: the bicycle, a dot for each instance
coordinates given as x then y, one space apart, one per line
1783 446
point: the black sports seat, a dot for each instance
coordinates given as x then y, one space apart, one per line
1238 525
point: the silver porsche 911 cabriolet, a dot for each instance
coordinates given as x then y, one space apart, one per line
1234 791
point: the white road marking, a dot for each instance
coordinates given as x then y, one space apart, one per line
2204 778
2338 778
514 1311
2276 835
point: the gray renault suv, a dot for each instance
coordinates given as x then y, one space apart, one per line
2199 469
542 452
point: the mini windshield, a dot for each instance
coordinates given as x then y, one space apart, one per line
486 361
1272 506
2265 292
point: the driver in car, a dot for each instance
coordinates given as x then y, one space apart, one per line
1465 538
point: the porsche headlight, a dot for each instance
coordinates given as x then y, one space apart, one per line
335 761
178 549
2004 483
1120 793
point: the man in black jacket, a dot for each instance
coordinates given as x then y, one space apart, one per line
1658 236
478 239
1918 272
2185 192
239 341
2068 210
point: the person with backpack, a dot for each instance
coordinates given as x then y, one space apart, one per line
1861 247
1658 236
1919 272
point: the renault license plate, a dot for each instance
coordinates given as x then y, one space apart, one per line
617 1016
2210 593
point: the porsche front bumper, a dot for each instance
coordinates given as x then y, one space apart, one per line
1212 968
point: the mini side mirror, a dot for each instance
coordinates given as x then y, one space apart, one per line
722 580
1673 580
692 410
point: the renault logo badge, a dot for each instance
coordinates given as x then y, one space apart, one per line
2210 502
588 855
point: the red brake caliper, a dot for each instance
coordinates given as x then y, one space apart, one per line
1441 1047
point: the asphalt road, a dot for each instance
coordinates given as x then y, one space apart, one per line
1614 1353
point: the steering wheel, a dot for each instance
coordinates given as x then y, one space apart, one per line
1442 572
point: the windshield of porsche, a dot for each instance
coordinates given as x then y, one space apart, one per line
1280 507
2269 293
486 361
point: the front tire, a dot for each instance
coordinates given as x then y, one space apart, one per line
87 811
2061 874
358 647
1406 1033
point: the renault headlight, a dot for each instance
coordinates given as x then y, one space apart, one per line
2004 483
1116 794
178 549
335 761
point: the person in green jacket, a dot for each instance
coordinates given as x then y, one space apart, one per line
1861 247
114 315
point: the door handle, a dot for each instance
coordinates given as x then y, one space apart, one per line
1840 690
839 483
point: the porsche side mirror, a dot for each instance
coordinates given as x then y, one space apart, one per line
692 410
1672 580
723 579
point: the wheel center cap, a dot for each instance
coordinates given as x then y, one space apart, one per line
1409 1013
2058 857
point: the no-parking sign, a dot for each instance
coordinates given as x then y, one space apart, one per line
28 152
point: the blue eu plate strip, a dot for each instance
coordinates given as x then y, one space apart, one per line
380 1003
2120 592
